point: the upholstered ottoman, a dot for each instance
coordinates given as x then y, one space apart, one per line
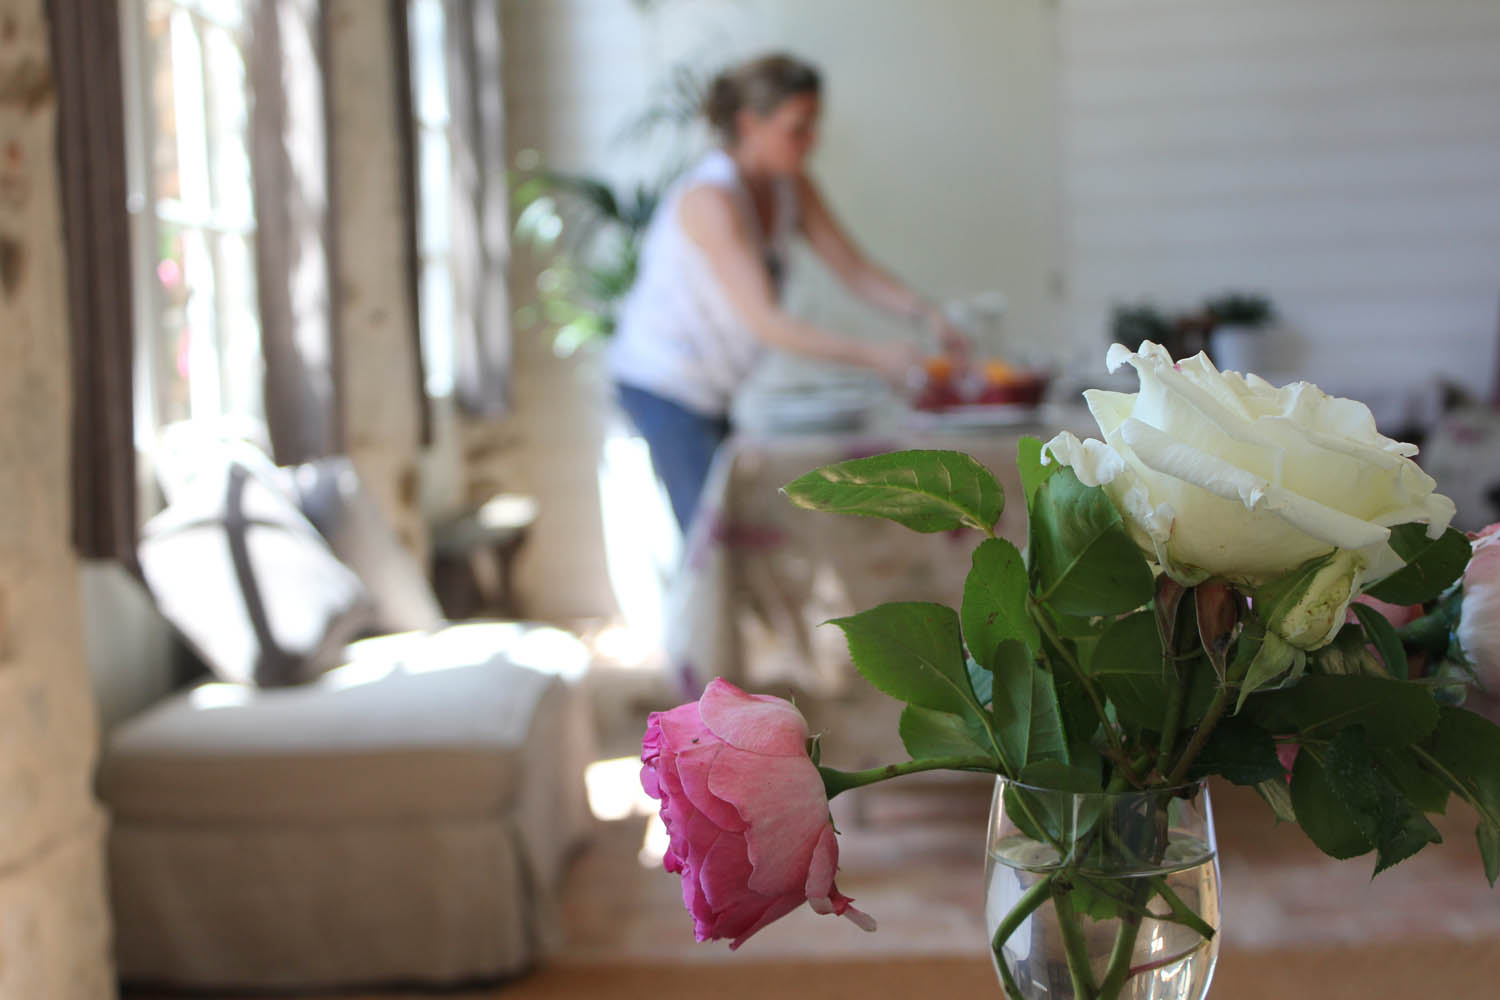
405 818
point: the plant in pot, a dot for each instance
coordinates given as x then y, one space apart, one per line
1175 616
1237 324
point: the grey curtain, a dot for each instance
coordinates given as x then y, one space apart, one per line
481 222
289 155
85 38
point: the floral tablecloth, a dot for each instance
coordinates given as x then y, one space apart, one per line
760 575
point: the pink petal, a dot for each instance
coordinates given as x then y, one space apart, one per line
759 725
725 873
825 861
693 768
682 728
779 908
649 780
782 800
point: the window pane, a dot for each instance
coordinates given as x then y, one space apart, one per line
429 65
160 106
187 99
228 115
434 183
436 296
202 362
230 13
170 350
239 325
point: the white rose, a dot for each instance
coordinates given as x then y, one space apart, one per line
1219 474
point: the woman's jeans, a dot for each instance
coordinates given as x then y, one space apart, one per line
682 444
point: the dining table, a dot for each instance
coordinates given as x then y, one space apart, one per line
760 577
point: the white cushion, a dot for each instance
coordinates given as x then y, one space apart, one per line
415 725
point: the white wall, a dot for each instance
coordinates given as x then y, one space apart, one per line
938 143
1342 155
938 152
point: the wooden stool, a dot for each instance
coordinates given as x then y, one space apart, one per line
474 557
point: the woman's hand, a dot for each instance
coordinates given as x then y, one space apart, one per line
900 364
953 342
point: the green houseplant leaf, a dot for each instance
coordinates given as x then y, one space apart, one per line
1083 560
926 491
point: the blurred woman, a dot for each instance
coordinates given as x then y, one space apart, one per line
706 302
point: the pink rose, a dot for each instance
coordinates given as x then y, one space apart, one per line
1479 615
746 812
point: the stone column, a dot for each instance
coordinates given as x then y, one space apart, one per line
382 422
54 928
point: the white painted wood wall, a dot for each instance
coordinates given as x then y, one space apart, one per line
1342 155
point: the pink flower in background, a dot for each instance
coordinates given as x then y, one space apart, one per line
1397 614
745 811
1479 617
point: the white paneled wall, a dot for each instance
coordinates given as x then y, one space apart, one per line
1341 155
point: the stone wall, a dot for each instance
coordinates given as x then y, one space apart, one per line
54 931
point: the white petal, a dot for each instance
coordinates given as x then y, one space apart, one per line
1162 454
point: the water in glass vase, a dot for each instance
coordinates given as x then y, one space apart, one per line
1165 907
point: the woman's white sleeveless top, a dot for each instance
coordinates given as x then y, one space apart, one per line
678 335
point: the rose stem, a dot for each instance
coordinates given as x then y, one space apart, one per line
1025 906
1073 944
836 781
1045 624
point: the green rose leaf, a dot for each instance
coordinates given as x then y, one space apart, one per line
1127 665
1270 657
1383 634
1383 814
1426 790
1321 811
1278 795
1432 564
994 604
1349 653
1465 751
1489 849
1015 687
926 491
927 734
982 681
913 652
1047 738
1029 465
1393 713
1240 751
1082 558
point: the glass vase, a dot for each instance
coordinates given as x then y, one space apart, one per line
1102 896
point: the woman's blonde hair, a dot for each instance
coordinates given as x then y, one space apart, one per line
759 85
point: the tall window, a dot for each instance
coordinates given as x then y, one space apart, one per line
191 211
432 113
